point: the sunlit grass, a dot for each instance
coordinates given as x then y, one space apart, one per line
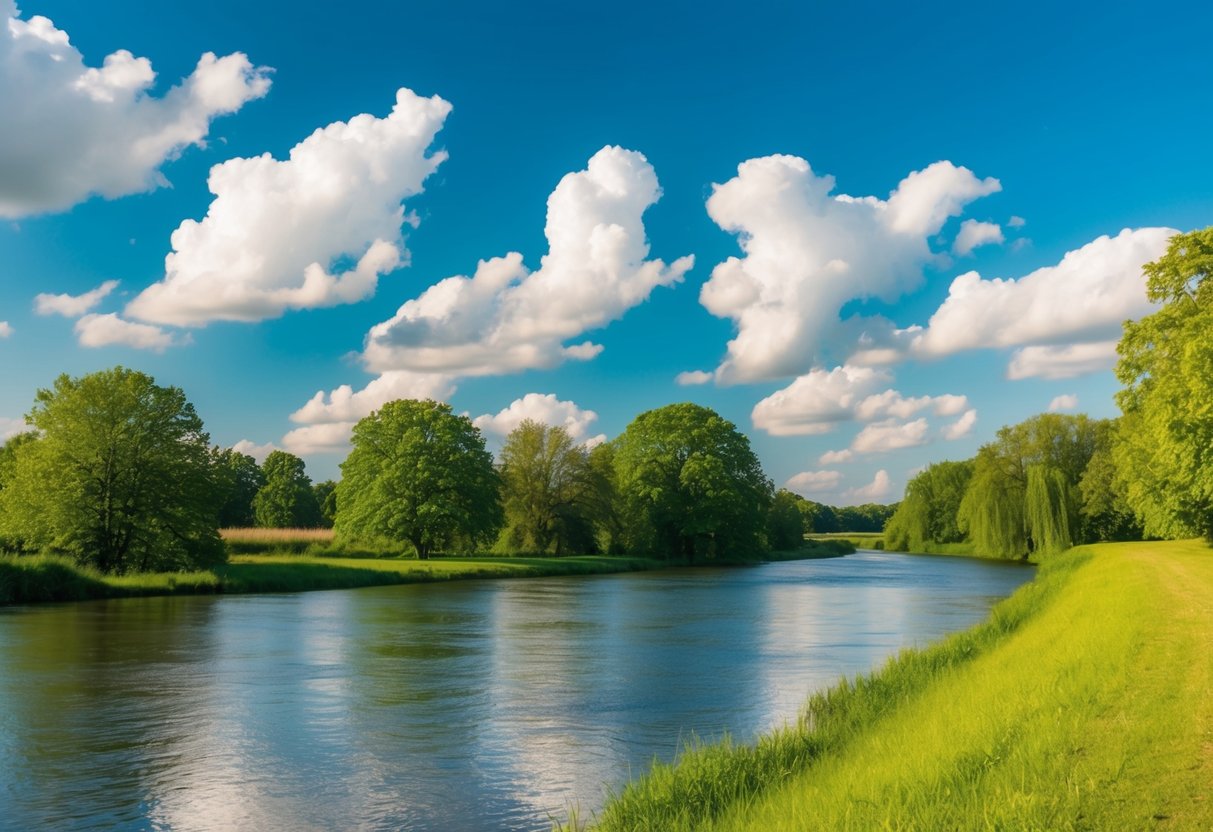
1084 702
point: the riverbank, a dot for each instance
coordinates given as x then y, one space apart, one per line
37 579
1085 701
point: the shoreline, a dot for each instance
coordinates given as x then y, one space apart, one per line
1061 710
40 579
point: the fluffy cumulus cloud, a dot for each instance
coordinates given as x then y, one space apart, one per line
544 408
1066 401
1084 298
504 318
692 377
814 482
11 427
6 329
1066 361
73 306
890 435
973 234
962 427
835 457
807 252
818 401
257 452
71 130
877 491
328 418
316 229
110 330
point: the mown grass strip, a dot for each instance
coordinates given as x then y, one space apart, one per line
1085 701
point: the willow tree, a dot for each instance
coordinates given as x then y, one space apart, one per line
1049 510
548 490
928 513
1164 452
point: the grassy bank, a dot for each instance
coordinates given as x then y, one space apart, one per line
857 540
1084 702
43 578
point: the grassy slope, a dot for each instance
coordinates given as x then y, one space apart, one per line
1086 702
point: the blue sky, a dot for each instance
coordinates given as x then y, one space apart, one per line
1044 128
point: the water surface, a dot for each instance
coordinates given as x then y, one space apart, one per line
479 705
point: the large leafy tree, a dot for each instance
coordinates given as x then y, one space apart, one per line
1023 494
547 490
242 478
691 484
120 478
421 474
785 522
286 500
1164 452
927 514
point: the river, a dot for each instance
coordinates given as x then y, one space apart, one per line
461 707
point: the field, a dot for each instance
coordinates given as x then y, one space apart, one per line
1084 702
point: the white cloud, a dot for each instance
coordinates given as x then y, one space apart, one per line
962 427
1087 296
11 427
692 377
1067 401
974 234
817 402
328 419
72 131
72 306
890 435
1062 362
878 489
6 329
504 318
107 330
835 457
257 452
544 408
813 482
1016 222
316 229
807 253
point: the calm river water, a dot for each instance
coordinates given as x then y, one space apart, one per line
485 705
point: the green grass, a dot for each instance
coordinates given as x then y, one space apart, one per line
25 580
857 540
1085 701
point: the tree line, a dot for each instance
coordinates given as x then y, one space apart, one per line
1053 481
118 473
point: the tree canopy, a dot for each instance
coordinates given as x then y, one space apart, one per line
1164 449
928 512
418 473
547 490
120 477
286 500
242 478
691 485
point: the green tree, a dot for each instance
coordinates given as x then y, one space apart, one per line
1164 449
691 485
819 518
121 477
928 513
242 478
1105 511
326 498
785 523
286 500
418 473
547 491
995 509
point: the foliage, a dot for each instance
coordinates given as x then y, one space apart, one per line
286 500
548 491
418 473
1105 512
326 498
1164 449
120 477
995 509
819 518
785 523
869 517
928 513
691 485
242 478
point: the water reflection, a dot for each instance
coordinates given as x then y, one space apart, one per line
478 705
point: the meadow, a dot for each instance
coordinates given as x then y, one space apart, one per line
1085 701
